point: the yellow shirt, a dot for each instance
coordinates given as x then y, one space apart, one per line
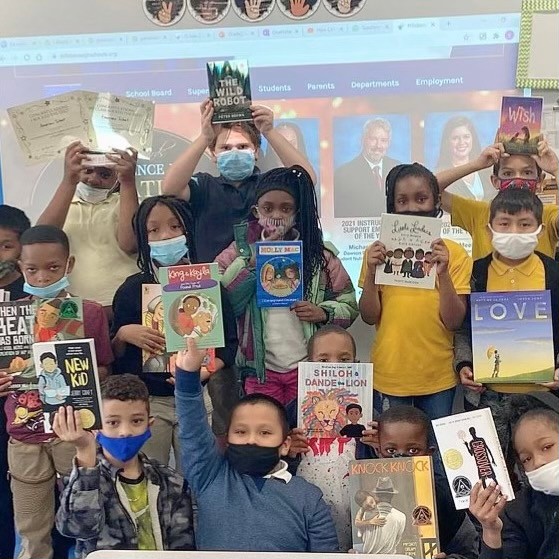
101 266
527 276
473 216
413 350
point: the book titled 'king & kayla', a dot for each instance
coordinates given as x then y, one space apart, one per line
512 337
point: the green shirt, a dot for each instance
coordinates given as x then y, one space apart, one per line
137 493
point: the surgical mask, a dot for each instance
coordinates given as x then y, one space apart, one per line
525 184
169 251
7 267
91 194
123 448
515 246
236 164
48 291
279 225
252 459
545 478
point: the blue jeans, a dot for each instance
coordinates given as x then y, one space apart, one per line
434 405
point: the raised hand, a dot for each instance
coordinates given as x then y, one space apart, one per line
74 162
68 427
192 359
546 158
344 6
376 255
125 165
252 8
491 155
440 256
209 130
164 15
298 8
263 118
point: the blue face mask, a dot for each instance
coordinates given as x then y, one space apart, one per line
123 448
49 291
236 164
169 251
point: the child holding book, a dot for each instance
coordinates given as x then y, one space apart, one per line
527 526
35 457
413 347
165 237
404 431
509 171
218 203
116 497
274 340
13 222
266 508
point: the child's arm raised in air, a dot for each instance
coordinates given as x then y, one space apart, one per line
488 157
57 209
81 512
177 178
370 305
452 307
288 154
201 458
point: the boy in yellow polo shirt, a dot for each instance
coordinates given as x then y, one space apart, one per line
413 348
514 228
509 171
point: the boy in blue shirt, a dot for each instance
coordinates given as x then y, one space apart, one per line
247 500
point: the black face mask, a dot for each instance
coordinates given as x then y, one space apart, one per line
435 212
401 455
252 459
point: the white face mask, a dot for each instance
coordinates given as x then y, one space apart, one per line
545 478
515 246
91 194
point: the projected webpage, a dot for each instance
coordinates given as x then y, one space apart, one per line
348 93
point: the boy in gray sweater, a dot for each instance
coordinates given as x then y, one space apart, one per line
247 500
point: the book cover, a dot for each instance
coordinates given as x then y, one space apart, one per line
326 389
408 250
229 85
58 319
192 306
512 337
67 376
153 316
16 339
279 273
521 124
393 507
471 452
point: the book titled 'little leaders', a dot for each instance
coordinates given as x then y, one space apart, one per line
408 261
512 337
192 306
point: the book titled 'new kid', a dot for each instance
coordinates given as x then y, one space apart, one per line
16 338
408 261
521 124
471 452
393 507
325 392
512 337
279 273
192 306
67 376
229 85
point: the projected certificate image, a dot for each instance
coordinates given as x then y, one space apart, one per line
453 139
365 150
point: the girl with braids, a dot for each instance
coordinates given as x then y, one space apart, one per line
527 526
274 340
413 347
164 232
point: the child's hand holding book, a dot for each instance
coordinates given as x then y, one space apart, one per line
68 427
191 359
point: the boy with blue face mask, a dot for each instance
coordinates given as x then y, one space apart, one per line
515 227
35 457
142 503
218 203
